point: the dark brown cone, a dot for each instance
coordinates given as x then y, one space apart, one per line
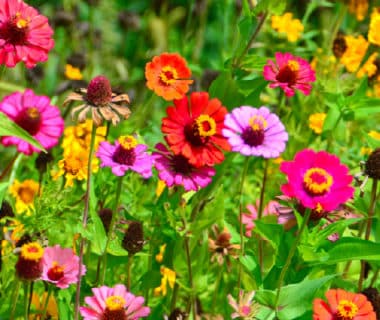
374 297
28 269
42 161
105 215
26 238
133 240
339 46
177 314
6 210
372 166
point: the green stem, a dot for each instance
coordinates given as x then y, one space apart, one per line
6 86
15 294
129 267
331 137
26 300
30 295
46 302
174 297
188 260
292 251
216 290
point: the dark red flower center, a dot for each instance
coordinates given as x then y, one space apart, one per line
124 156
199 131
168 75
56 272
99 92
15 30
114 309
30 120
288 73
181 165
254 134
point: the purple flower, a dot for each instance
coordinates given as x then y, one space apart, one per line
176 170
255 132
125 154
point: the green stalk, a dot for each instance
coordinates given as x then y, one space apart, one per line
46 301
188 260
15 294
26 300
129 265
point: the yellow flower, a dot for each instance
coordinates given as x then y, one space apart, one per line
160 255
285 24
38 304
168 276
355 52
374 134
24 193
374 27
160 187
73 73
369 68
359 8
316 121
364 151
376 89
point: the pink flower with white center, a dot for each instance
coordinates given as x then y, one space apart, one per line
114 303
61 266
289 73
35 115
244 308
25 34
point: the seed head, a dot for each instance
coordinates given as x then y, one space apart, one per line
372 166
99 91
133 240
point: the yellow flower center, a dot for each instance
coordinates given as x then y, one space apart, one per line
33 113
293 65
206 125
115 303
32 251
258 123
26 194
317 181
127 142
347 310
21 23
168 75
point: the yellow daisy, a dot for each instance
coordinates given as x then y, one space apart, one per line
24 193
316 121
286 24
355 52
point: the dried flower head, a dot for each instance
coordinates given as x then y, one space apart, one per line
29 264
105 214
339 45
372 165
133 240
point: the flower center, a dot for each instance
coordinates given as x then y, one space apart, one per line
127 142
55 273
32 251
317 181
181 165
199 131
114 309
254 134
72 165
15 30
125 152
30 120
245 310
347 310
26 194
289 73
99 92
168 75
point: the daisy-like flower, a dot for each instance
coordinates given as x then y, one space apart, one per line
168 76
370 67
194 129
354 53
316 122
24 193
343 305
29 264
25 35
103 103
244 308
35 115
176 170
114 303
255 132
374 26
125 154
318 180
60 266
287 25
290 73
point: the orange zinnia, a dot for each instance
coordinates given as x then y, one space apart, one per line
168 76
343 305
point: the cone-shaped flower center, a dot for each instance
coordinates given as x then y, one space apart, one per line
55 272
26 194
15 30
347 310
181 164
32 251
288 73
317 181
125 151
99 92
254 134
30 120
168 75
198 132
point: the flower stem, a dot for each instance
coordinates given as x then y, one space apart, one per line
9 166
188 260
84 221
216 289
291 255
46 302
16 292
129 265
26 300
30 295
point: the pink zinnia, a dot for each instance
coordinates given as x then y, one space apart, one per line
61 266
244 307
35 115
318 180
25 35
289 73
125 154
114 303
176 170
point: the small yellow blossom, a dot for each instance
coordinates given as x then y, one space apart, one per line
374 27
376 89
359 8
369 68
160 255
38 304
24 192
160 187
355 52
286 24
316 121
73 73
168 276
365 151
374 134
278 160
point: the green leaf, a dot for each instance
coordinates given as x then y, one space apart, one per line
251 265
3 190
271 232
331 118
253 62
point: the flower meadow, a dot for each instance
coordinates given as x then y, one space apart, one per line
189 159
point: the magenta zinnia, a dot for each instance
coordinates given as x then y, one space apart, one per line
25 35
125 154
255 132
289 73
318 180
35 115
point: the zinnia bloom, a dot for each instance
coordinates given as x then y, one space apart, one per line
374 27
194 129
114 303
35 115
125 154
354 53
286 24
24 193
289 73
318 180
29 264
168 76
61 266
244 308
343 305
255 132
25 35
176 170
316 122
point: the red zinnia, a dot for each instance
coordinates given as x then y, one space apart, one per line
194 129
168 76
25 35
